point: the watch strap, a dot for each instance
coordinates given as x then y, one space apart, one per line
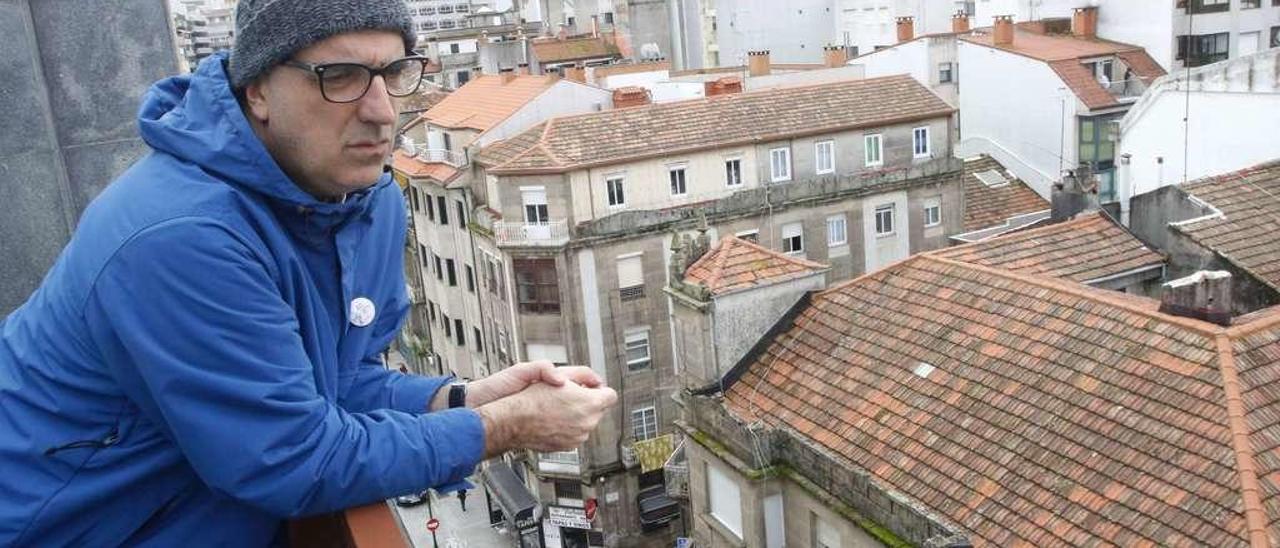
457 395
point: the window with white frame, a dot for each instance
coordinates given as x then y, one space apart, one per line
920 142
679 186
724 500
884 220
793 238
617 198
945 73
932 212
733 172
749 235
644 423
535 205
837 233
874 155
825 153
637 350
780 164
630 277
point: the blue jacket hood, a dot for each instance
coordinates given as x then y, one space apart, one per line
196 118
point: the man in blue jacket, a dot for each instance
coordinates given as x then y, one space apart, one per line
201 363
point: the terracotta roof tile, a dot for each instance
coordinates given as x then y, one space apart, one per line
685 126
1088 248
1250 203
1057 414
413 167
986 206
484 101
572 49
737 264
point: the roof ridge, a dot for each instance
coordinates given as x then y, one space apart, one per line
1085 292
806 263
542 141
1254 515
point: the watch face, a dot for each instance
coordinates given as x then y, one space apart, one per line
457 396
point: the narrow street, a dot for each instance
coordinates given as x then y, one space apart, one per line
458 529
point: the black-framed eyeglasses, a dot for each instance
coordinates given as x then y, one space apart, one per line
348 82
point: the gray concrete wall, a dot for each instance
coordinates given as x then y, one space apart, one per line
741 319
72 73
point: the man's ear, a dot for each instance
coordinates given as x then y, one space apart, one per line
255 98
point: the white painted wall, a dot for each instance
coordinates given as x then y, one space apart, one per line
870 23
1234 113
565 98
804 78
1015 106
794 31
1138 24
881 251
909 58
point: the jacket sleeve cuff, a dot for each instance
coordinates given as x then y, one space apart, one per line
413 393
459 438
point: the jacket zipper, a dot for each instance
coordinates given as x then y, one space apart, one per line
112 438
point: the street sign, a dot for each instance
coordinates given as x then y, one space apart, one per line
433 524
563 516
684 542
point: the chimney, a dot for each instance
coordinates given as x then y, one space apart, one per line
595 26
906 28
723 86
554 75
960 22
507 75
631 96
758 63
1205 295
577 73
522 69
1003 33
1076 193
834 56
1084 22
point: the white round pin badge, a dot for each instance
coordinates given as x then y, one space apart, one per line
362 312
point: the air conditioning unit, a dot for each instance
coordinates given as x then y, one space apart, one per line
629 459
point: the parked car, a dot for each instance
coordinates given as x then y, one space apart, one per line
412 499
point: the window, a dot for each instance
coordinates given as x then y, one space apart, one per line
476 340
1247 43
431 206
637 350
448 141
793 238
825 157
457 330
932 212
426 256
837 234
1275 35
568 493
1205 6
453 275
945 74
444 210
724 500
608 18
1203 49
884 220
617 198
1098 151
780 164
439 267
413 195
644 423
733 171
448 325
749 235
630 277
453 48
462 214
537 286
873 156
535 205
678 185
471 279
920 142
1250 4
431 310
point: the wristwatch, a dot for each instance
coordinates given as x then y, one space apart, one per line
457 395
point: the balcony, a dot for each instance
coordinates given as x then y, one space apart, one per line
369 526
565 462
549 234
442 156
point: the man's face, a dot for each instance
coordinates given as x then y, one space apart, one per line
329 149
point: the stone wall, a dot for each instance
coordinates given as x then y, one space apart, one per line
72 75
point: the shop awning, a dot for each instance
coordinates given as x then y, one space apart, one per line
517 503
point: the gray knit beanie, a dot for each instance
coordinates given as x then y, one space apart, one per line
268 32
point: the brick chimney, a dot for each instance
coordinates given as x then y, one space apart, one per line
906 28
960 22
507 75
723 86
631 96
1205 295
834 56
758 63
522 69
1002 34
577 73
1084 22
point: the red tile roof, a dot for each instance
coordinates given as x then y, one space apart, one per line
1064 54
413 167
1031 411
603 138
737 264
1247 235
1089 248
986 206
485 101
